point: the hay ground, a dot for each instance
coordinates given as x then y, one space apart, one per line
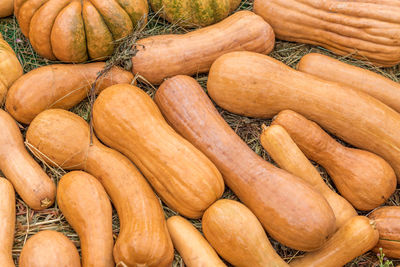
30 222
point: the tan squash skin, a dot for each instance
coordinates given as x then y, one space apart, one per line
58 86
280 146
7 222
330 69
353 239
387 221
364 29
10 68
127 119
191 245
86 206
302 221
363 178
236 234
28 178
258 86
49 249
164 56
6 8
64 138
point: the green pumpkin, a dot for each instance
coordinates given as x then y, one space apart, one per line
192 13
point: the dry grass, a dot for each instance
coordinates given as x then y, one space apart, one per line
30 222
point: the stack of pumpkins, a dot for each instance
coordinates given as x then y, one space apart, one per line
179 147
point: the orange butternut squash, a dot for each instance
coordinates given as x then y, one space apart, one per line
289 209
365 29
330 69
363 178
284 151
256 85
58 86
128 120
234 231
28 178
65 140
164 56
48 249
387 221
85 205
6 8
191 245
7 222
354 238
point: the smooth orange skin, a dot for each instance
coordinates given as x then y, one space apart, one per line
7 222
64 138
85 204
236 234
164 56
387 221
354 238
48 249
362 177
191 245
284 151
363 29
58 86
256 85
6 8
289 209
127 119
28 178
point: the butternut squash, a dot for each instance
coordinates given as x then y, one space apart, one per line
65 140
387 221
191 245
280 146
164 56
58 86
354 238
48 249
127 119
7 222
330 69
256 85
364 29
363 178
85 205
6 8
33 185
234 231
289 209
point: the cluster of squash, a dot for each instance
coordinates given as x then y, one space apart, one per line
177 147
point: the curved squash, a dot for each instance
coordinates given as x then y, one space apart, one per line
47 249
33 185
256 85
127 119
85 205
164 56
58 86
65 140
6 8
7 222
288 208
234 231
280 146
364 29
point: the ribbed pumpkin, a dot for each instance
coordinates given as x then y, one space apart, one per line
194 12
6 8
76 30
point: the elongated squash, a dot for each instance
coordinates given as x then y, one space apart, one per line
64 139
288 208
164 56
256 85
365 29
127 119
58 86
288 156
7 222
